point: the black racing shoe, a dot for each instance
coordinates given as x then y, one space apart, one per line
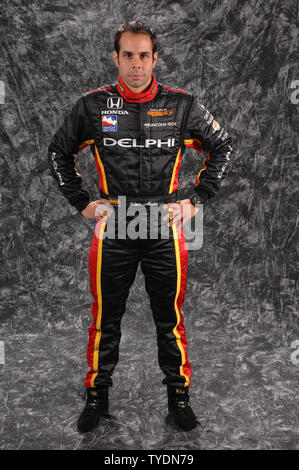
180 411
97 405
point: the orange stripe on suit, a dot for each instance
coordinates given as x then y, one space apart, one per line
197 145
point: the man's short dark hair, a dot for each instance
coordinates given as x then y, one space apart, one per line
135 26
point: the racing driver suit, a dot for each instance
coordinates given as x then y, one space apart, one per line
138 141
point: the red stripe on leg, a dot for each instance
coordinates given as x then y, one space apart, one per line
181 299
93 255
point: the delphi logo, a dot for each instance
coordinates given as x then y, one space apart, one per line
108 142
115 103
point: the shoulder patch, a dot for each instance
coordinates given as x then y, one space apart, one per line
105 88
176 90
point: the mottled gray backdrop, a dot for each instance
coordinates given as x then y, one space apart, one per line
241 58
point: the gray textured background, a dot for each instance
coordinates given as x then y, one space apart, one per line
241 58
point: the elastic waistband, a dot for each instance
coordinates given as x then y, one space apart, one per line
177 195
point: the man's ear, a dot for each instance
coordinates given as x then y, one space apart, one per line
155 59
115 57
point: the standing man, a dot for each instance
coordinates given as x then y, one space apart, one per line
137 129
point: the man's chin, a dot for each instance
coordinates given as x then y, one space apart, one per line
136 83
139 81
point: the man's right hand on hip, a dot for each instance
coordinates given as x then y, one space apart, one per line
99 209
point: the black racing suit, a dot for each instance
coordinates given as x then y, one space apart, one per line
138 148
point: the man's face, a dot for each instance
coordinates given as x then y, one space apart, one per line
135 61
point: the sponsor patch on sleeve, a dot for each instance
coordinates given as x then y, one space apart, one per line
215 125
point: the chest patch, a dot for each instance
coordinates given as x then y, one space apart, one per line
109 123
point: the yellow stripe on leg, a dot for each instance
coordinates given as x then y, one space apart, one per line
99 317
175 330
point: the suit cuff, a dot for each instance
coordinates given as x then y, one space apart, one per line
81 205
204 196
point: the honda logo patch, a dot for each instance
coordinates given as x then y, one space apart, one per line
115 103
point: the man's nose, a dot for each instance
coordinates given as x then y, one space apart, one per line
137 63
